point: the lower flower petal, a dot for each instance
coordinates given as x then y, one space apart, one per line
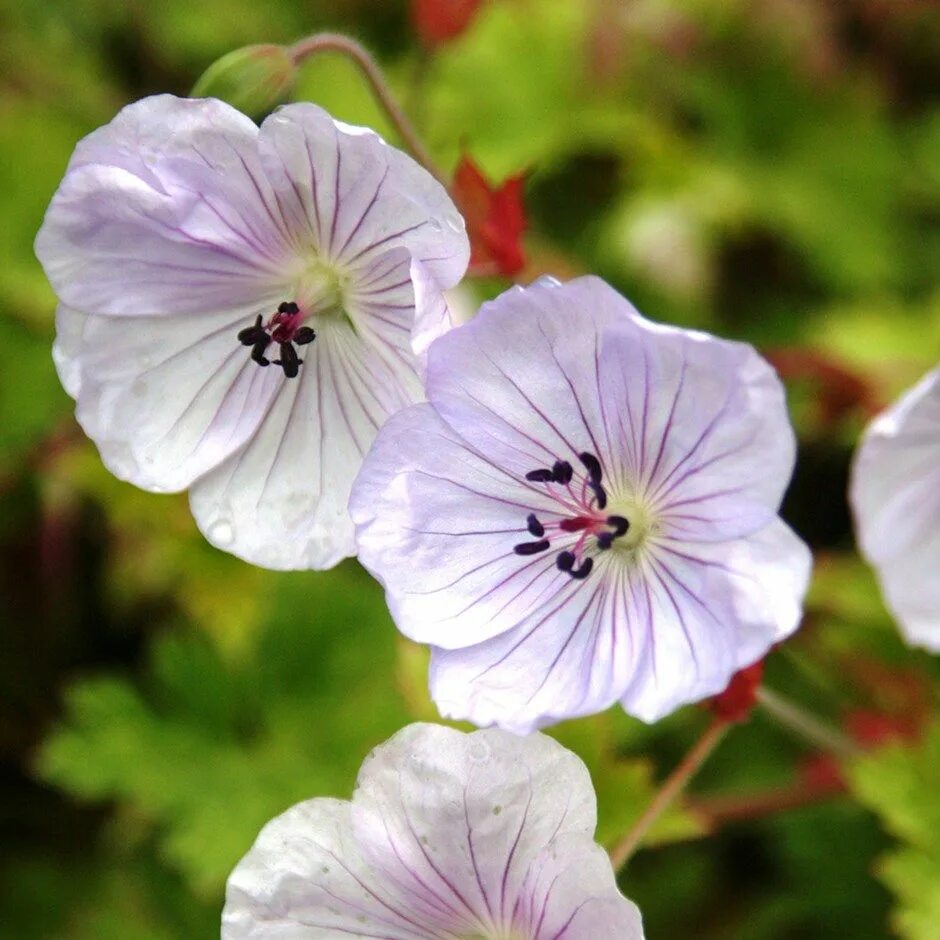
305 877
164 398
455 821
281 502
573 655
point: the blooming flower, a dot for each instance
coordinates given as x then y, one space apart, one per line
239 307
495 220
449 836
584 511
895 495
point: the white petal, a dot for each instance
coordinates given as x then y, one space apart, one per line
281 502
711 609
355 196
895 495
570 894
305 879
443 519
696 423
166 211
455 821
573 655
166 398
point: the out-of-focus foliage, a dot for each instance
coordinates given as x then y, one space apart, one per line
769 171
902 784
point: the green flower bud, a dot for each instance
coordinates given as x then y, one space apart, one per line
253 79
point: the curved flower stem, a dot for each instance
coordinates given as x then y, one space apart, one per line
621 853
335 42
808 726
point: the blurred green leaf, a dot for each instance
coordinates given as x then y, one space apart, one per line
901 784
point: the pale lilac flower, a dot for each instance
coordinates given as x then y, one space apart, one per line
584 512
238 310
895 495
449 836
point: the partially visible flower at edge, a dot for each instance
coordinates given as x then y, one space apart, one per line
495 219
480 836
895 497
584 511
242 309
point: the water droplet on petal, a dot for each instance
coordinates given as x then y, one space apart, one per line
436 224
479 751
221 533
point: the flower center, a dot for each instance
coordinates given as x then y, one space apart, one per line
285 329
585 517
319 289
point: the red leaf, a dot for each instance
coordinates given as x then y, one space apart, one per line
737 700
495 220
437 21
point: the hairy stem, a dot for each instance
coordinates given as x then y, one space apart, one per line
796 719
621 853
360 56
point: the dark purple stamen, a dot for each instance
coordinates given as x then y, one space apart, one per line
531 548
620 524
562 472
290 362
283 330
534 526
579 574
593 467
540 476
600 495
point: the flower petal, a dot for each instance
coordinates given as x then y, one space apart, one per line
573 655
695 423
355 197
895 495
281 501
454 821
570 894
165 210
305 878
165 399
714 608
429 504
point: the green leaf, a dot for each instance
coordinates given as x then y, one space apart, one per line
902 786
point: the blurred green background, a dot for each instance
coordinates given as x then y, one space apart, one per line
765 169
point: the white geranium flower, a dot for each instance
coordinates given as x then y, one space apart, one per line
241 310
449 836
895 495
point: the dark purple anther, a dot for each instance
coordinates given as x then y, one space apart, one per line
562 472
531 548
620 524
579 574
593 467
565 561
540 476
534 526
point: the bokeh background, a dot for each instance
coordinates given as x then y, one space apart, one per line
765 169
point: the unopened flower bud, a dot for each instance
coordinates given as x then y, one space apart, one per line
253 79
